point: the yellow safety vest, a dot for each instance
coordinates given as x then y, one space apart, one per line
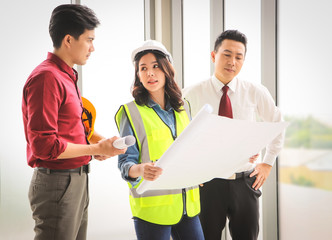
153 138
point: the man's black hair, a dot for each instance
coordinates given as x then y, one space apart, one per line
72 19
231 35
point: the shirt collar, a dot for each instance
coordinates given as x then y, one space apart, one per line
63 66
218 85
153 104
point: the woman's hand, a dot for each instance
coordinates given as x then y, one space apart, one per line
146 170
150 172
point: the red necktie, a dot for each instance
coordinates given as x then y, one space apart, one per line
225 106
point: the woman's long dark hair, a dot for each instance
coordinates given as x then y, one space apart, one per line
172 91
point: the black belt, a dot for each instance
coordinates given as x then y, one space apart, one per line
243 174
84 168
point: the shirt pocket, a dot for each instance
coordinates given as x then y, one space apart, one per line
245 112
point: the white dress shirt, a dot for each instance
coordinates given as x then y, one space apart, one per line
249 102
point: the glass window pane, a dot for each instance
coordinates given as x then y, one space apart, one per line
238 17
196 41
107 78
25 42
304 79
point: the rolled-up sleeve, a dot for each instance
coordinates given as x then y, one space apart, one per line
131 156
43 99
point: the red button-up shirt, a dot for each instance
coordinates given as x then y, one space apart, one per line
52 111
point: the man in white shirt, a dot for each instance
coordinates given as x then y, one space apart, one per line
236 198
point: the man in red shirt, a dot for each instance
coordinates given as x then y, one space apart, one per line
57 146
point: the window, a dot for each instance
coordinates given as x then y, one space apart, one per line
107 79
24 44
196 41
238 17
304 75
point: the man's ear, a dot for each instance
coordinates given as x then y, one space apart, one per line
213 56
67 40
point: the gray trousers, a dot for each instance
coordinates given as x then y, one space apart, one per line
59 202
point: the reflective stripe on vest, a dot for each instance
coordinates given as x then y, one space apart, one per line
153 138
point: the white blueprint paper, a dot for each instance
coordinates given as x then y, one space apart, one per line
211 146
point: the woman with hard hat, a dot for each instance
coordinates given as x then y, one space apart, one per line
156 117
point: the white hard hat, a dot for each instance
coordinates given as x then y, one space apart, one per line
152 45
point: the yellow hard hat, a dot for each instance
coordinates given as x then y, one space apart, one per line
88 117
